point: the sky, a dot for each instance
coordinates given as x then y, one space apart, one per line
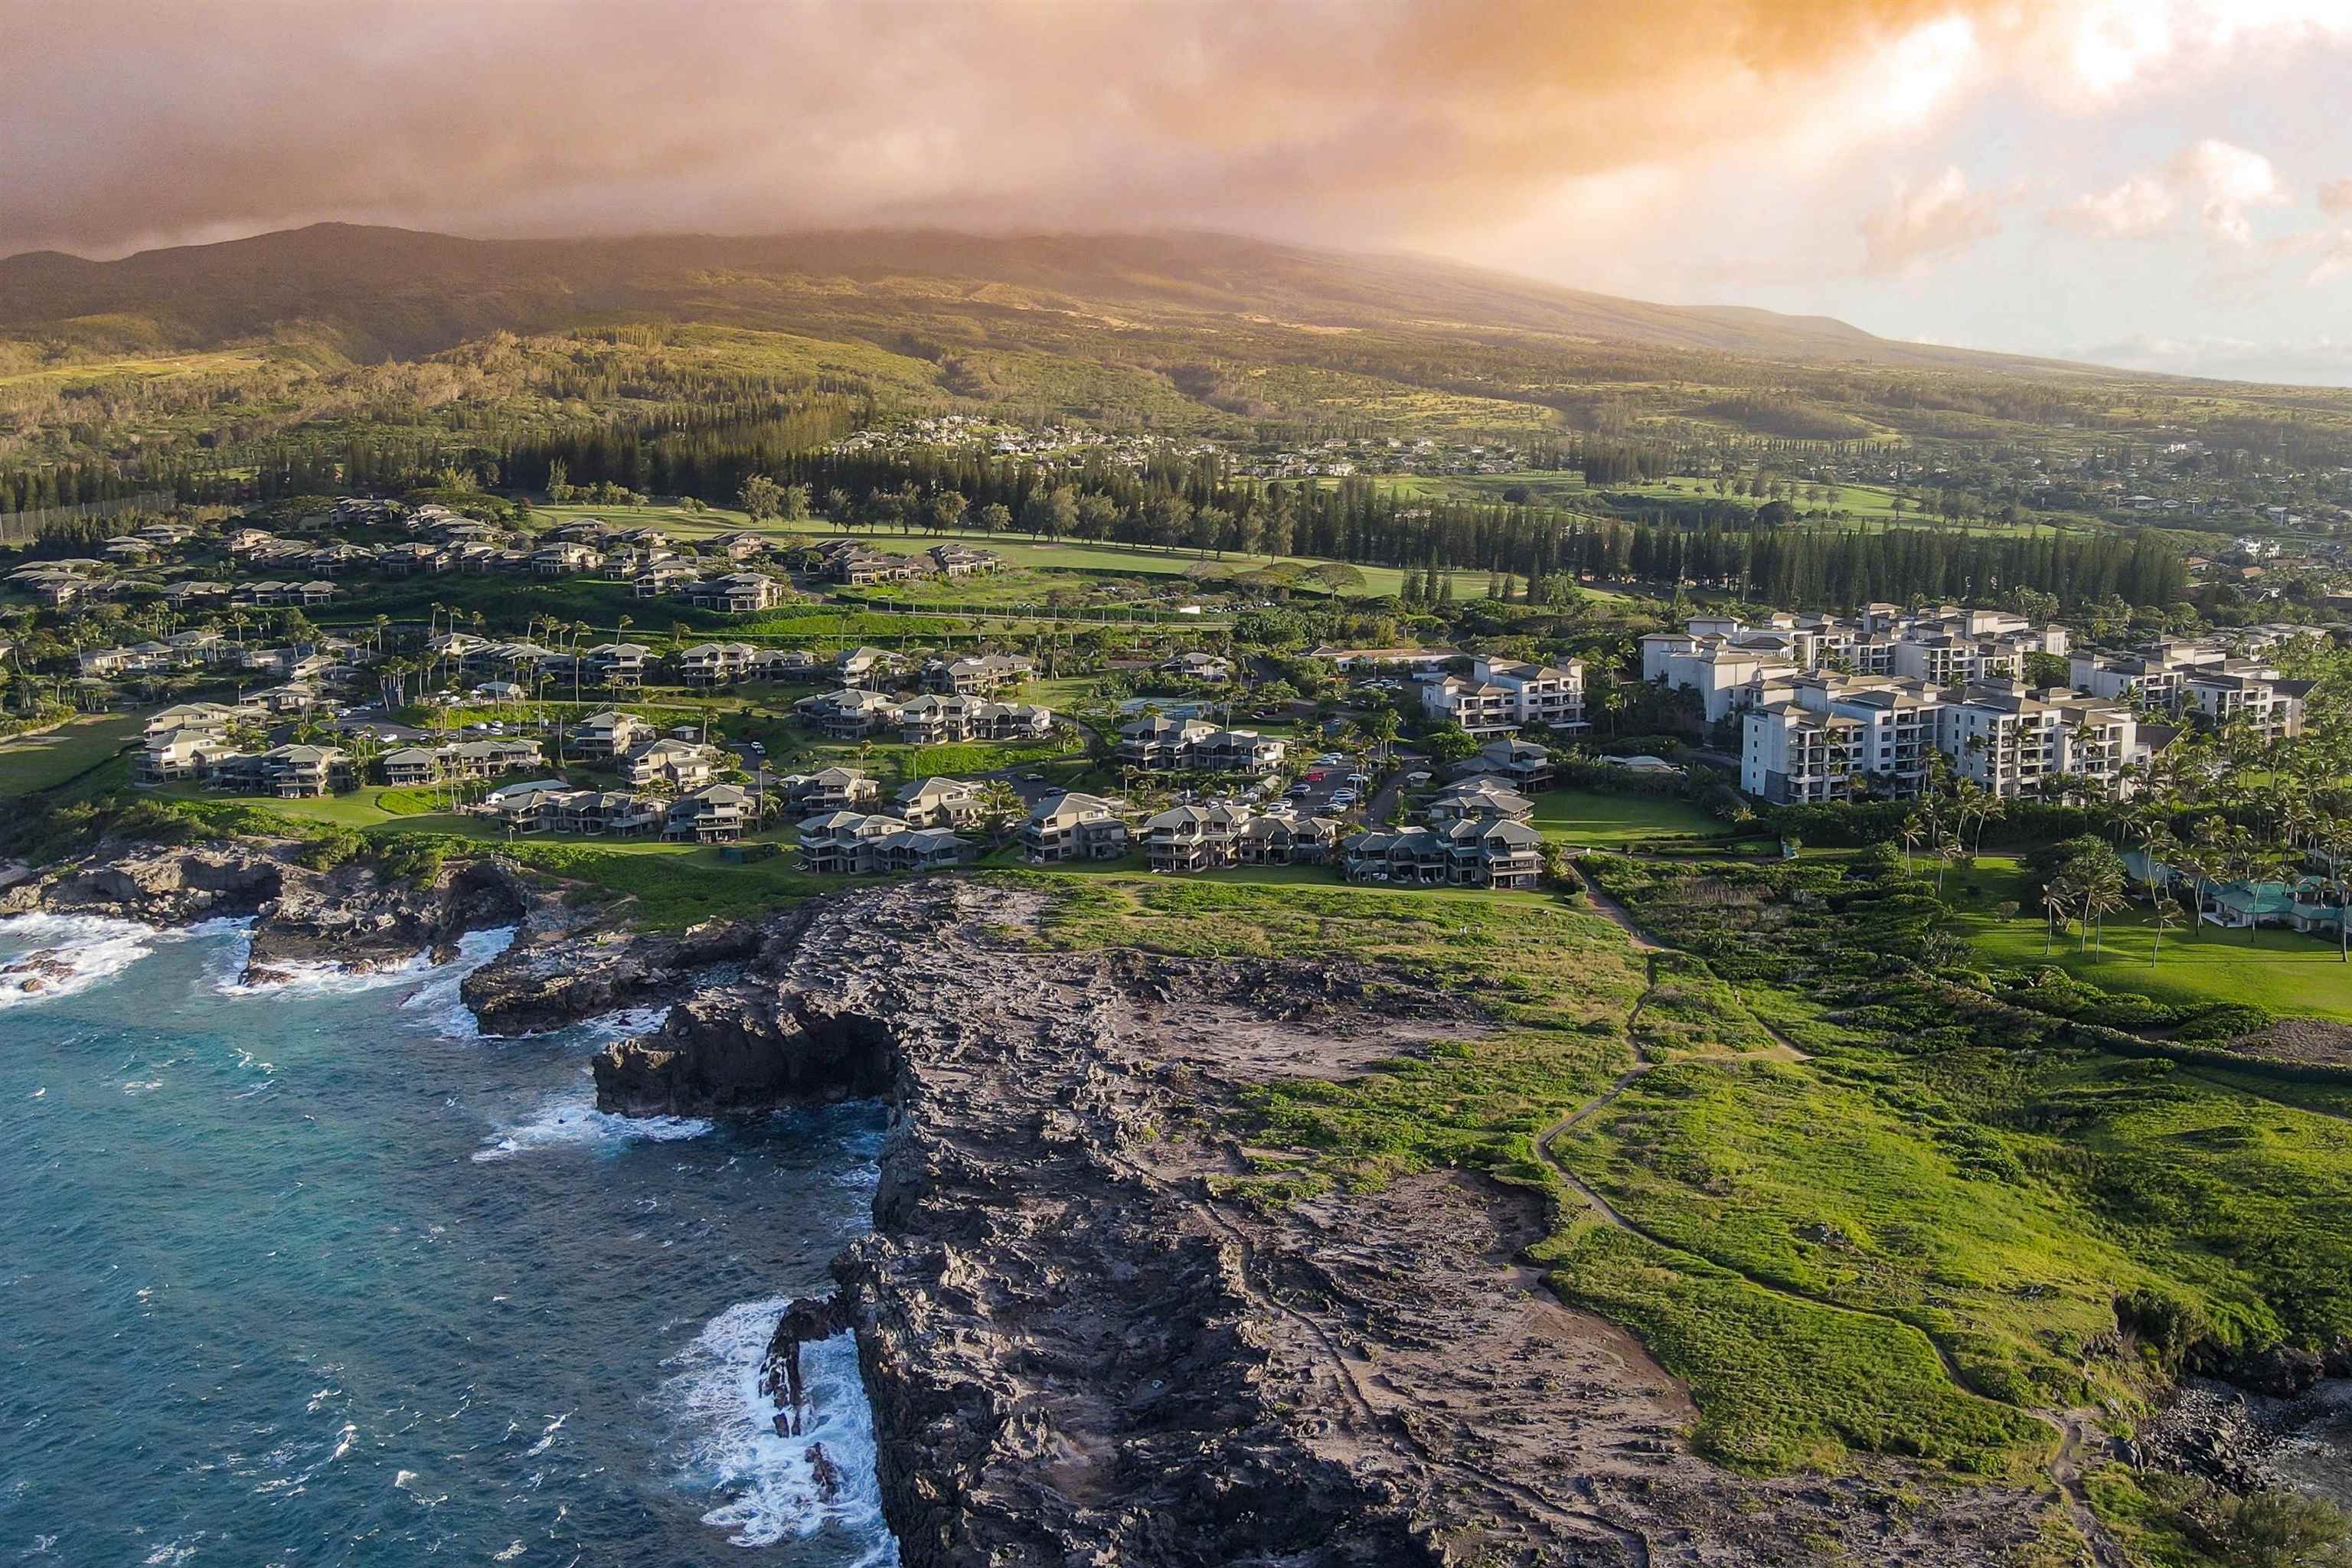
2163 185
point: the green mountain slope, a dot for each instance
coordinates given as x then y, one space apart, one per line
387 293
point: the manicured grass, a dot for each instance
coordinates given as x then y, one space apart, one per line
1585 818
1061 556
2280 971
44 761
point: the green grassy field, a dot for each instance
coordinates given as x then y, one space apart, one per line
1586 817
2280 971
1064 557
44 761
1780 1381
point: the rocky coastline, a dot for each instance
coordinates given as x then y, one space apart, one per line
347 917
1083 1344
1082 1341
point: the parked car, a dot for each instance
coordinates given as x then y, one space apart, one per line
1343 798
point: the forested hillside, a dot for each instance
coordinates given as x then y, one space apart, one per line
1160 369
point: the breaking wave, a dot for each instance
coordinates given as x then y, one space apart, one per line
571 1120
768 1487
45 957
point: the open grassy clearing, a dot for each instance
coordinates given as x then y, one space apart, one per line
1588 817
88 372
1961 1163
1064 556
1914 1242
44 761
2279 971
1781 1382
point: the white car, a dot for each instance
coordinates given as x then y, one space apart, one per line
1343 798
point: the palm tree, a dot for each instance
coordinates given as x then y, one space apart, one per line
1914 833
2101 894
2058 898
2163 914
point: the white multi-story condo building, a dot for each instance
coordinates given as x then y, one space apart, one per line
1795 756
1501 694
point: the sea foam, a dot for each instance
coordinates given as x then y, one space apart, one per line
571 1119
770 1488
91 948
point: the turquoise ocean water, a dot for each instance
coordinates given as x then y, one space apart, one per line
317 1275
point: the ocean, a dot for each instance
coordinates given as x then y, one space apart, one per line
317 1275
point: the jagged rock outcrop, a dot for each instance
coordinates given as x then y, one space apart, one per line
157 886
1080 1350
722 1053
348 916
558 975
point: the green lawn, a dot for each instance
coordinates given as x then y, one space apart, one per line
2279 971
30 763
1065 556
1582 816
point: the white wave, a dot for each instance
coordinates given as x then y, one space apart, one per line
87 948
571 1119
768 1483
324 977
547 1437
438 997
620 1025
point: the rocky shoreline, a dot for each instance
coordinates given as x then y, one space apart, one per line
1082 1342
1082 1345
349 918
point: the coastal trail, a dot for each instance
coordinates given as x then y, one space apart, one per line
2069 1427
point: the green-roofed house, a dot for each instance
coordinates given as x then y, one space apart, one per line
2303 905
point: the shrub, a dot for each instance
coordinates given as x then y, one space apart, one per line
336 847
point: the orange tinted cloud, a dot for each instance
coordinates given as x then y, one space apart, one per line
1369 120
1361 121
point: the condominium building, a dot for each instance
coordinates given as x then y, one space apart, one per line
1073 826
1792 755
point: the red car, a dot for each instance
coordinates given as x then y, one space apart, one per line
1314 775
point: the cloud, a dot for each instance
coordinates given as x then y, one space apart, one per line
2140 206
1361 120
2224 183
2335 197
2324 360
2227 182
2335 261
195 115
1940 217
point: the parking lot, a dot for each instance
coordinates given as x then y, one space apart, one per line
1341 789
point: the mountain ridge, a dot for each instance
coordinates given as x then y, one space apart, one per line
400 293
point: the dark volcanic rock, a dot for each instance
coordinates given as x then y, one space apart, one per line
721 1053
549 981
1078 1352
348 916
36 972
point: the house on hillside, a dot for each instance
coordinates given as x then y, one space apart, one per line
1073 827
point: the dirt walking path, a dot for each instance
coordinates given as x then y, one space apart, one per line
2064 1465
